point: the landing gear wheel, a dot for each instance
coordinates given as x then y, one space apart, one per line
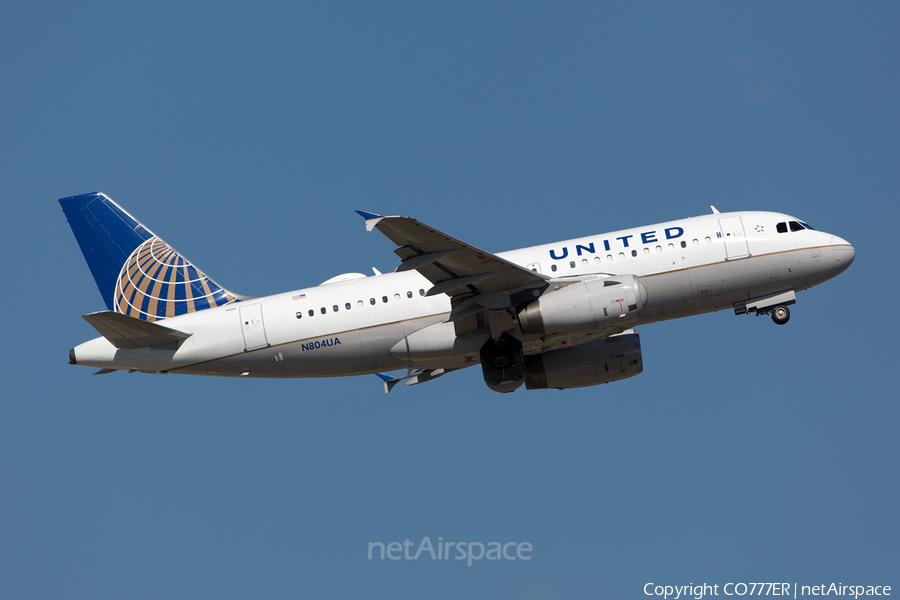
781 315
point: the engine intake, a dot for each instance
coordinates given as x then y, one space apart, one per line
586 306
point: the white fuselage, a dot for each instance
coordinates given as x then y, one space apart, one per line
358 326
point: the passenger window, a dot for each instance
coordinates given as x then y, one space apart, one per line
671 246
584 262
695 242
335 308
646 250
372 301
633 253
553 268
360 303
571 264
396 296
683 244
597 259
384 299
409 294
609 258
299 315
795 226
347 306
421 292
312 312
621 255
707 240
659 248
781 227
322 310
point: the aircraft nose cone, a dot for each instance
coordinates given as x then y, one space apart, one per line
843 252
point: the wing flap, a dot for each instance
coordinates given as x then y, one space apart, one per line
123 331
416 261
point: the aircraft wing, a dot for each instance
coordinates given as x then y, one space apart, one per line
456 268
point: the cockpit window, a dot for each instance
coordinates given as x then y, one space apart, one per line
795 226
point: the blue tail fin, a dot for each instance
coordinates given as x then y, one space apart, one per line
138 274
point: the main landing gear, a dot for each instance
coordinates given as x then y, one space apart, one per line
503 363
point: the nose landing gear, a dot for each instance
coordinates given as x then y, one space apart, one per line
775 305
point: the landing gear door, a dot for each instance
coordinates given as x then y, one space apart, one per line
735 240
252 327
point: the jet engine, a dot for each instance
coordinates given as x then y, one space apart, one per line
600 361
589 305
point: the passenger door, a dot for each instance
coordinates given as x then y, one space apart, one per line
735 240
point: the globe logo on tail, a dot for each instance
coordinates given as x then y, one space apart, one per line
157 283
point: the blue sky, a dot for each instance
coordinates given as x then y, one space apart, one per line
247 136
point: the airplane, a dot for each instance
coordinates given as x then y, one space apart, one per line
553 316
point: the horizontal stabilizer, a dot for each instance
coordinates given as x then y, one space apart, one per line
123 331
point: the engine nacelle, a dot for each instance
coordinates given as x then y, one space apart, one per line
600 361
586 306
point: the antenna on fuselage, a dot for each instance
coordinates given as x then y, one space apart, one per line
714 209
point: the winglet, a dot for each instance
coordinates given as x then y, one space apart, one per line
371 219
389 382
